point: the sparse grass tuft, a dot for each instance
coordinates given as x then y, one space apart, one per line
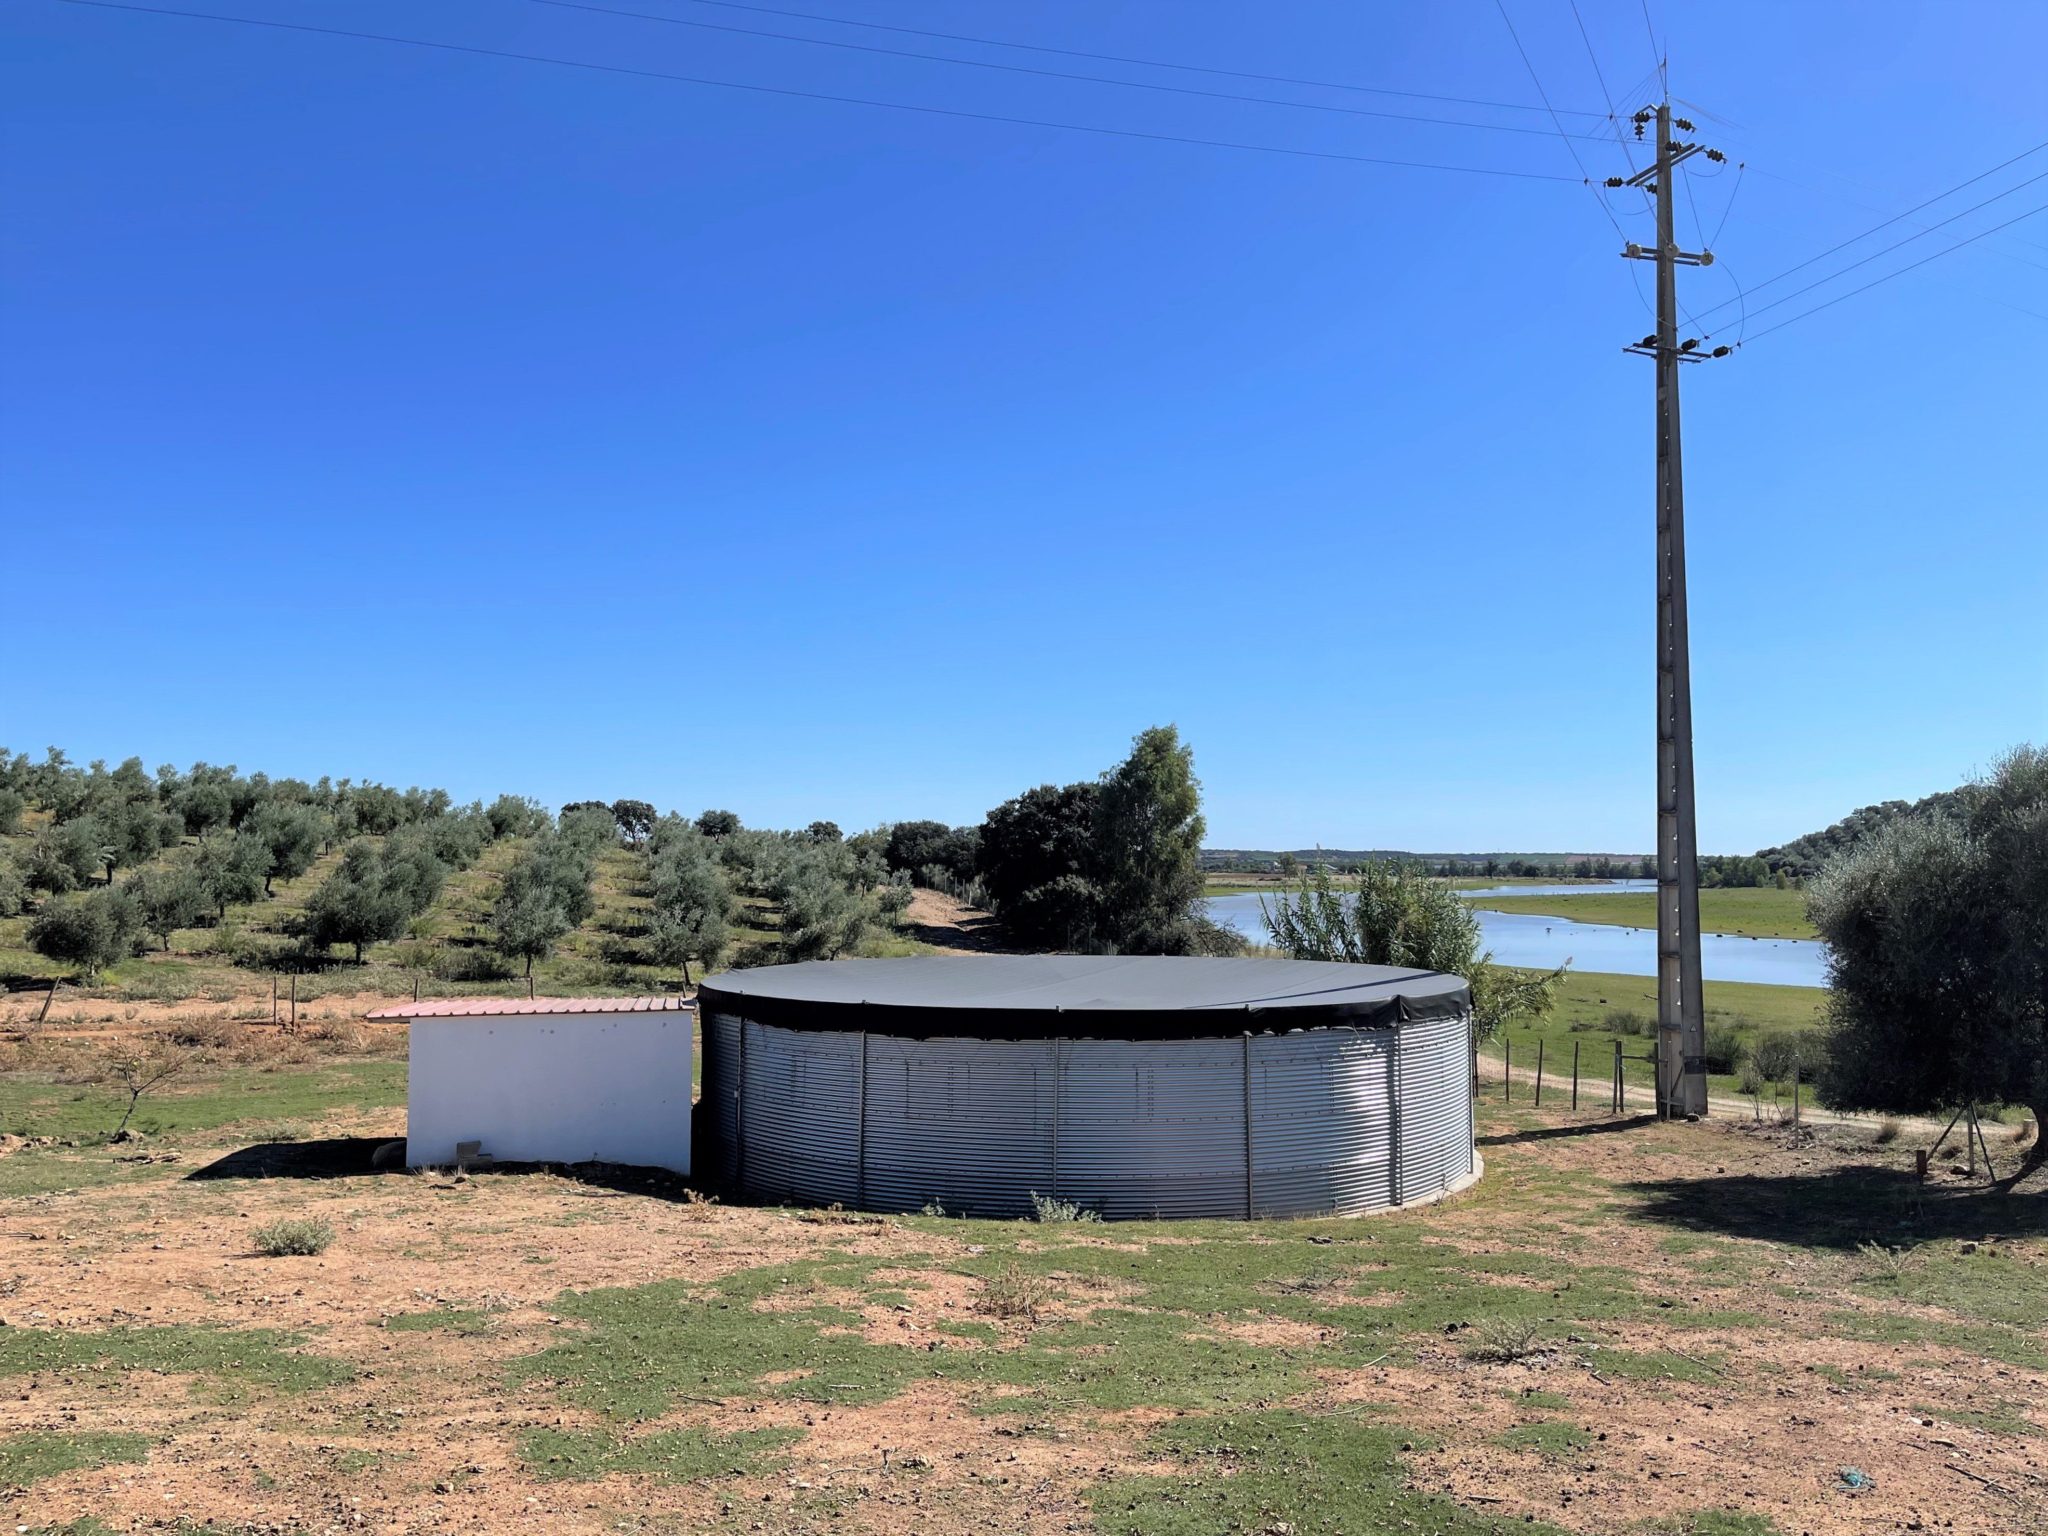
1506 1343
293 1236
1013 1292
1888 1130
1882 1263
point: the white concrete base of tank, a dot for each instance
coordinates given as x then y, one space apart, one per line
551 1088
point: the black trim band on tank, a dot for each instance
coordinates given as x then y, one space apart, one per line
1040 997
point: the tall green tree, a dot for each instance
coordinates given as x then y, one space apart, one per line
1937 933
1146 848
635 820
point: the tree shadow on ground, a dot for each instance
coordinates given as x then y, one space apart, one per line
1558 1132
1840 1208
982 934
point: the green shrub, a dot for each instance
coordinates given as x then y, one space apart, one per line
1723 1046
293 1235
1782 1051
1626 1021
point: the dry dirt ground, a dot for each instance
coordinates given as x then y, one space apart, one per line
1625 1327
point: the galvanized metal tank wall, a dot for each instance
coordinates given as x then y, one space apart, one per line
1305 1123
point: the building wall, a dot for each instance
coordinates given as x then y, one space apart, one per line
1297 1124
541 1088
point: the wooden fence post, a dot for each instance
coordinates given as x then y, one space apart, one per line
1617 1078
273 997
1575 1074
1539 1071
1507 1070
295 999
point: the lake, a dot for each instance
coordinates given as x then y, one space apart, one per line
1538 941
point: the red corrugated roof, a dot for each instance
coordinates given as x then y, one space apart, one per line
489 1007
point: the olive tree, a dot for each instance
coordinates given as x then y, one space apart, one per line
692 899
365 901
231 869
168 899
1937 934
291 837
91 932
1398 916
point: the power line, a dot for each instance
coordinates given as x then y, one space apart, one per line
1605 95
1544 96
787 91
1886 250
1047 74
1118 58
1740 167
1656 53
1901 272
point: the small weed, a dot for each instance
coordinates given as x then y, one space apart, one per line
1888 1131
1506 1343
295 1235
1882 1263
1052 1208
933 1208
1013 1292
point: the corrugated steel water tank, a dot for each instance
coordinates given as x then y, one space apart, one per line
1133 1086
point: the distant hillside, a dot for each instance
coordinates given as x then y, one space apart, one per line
1804 856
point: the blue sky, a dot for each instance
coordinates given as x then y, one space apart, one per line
437 418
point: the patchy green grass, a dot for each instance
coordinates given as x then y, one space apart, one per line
203 1101
1551 1437
1760 913
2000 1419
672 1456
37 1454
647 1347
1985 1286
1311 1475
463 1322
233 1360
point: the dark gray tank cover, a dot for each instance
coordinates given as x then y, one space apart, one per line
1126 997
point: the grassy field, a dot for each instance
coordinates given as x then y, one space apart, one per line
1595 1010
1760 913
1625 1328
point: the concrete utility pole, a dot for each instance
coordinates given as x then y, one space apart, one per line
1681 1019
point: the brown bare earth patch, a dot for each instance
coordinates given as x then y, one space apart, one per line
1752 1351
